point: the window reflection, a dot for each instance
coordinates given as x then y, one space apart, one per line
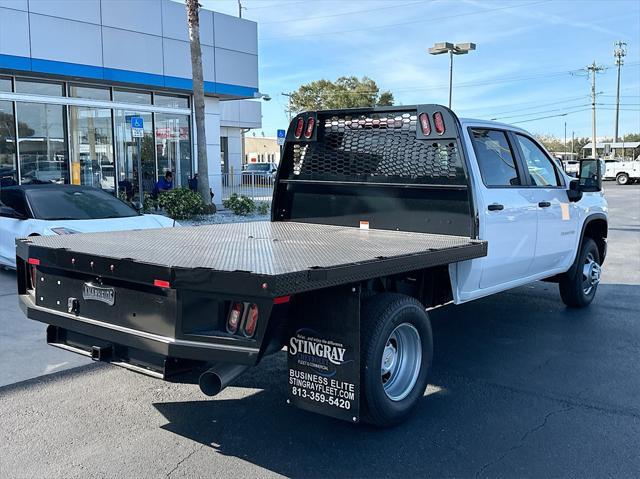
173 146
91 92
92 147
42 143
128 96
129 166
35 87
8 172
5 84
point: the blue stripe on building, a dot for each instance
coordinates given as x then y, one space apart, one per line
24 64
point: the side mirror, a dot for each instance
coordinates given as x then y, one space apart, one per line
8 212
590 175
136 205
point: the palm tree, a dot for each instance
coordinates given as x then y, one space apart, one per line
193 20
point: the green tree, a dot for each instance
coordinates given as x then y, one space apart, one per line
631 137
345 92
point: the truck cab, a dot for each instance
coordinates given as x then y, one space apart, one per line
533 228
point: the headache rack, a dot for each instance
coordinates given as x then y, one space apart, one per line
400 168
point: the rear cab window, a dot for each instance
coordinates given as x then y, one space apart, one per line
495 157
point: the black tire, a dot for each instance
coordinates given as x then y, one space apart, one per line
381 315
622 179
572 285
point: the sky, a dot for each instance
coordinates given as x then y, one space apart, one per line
528 68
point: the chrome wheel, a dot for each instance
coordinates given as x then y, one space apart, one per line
401 360
590 274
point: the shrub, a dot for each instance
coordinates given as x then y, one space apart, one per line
240 205
181 203
150 203
264 208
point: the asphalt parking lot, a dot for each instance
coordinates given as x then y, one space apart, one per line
522 387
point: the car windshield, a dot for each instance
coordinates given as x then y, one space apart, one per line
259 167
76 204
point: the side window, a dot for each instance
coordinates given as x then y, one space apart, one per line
541 170
495 158
14 200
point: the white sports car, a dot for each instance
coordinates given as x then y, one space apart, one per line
30 210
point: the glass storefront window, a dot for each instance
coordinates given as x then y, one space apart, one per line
129 96
34 87
129 162
91 136
91 92
8 170
173 146
5 84
171 101
42 143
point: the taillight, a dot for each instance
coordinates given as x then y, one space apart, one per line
235 315
308 132
32 276
425 124
160 283
252 321
438 122
299 128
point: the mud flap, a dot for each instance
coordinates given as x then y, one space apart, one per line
324 353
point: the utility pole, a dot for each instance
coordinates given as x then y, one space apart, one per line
240 8
593 70
565 140
572 140
288 95
619 52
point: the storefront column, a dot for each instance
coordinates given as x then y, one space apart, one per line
212 131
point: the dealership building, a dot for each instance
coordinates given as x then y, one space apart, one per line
74 73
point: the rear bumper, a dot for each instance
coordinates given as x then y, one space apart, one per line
140 340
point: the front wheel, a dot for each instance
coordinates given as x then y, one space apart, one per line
397 350
578 288
622 179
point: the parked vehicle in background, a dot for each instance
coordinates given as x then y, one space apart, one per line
624 172
378 215
264 170
43 210
571 167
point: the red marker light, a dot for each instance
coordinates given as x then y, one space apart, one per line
251 321
308 133
299 128
161 284
438 122
281 300
34 261
425 124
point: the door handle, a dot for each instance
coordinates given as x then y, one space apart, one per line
544 204
495 207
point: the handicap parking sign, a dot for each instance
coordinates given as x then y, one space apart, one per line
137 122
281 136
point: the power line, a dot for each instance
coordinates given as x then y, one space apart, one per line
389 25
538 112
550 116
353 12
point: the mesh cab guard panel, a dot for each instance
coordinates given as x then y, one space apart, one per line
376 146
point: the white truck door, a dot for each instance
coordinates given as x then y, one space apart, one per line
557 216
508 219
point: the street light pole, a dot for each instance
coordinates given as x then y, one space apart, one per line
450 76
457 49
